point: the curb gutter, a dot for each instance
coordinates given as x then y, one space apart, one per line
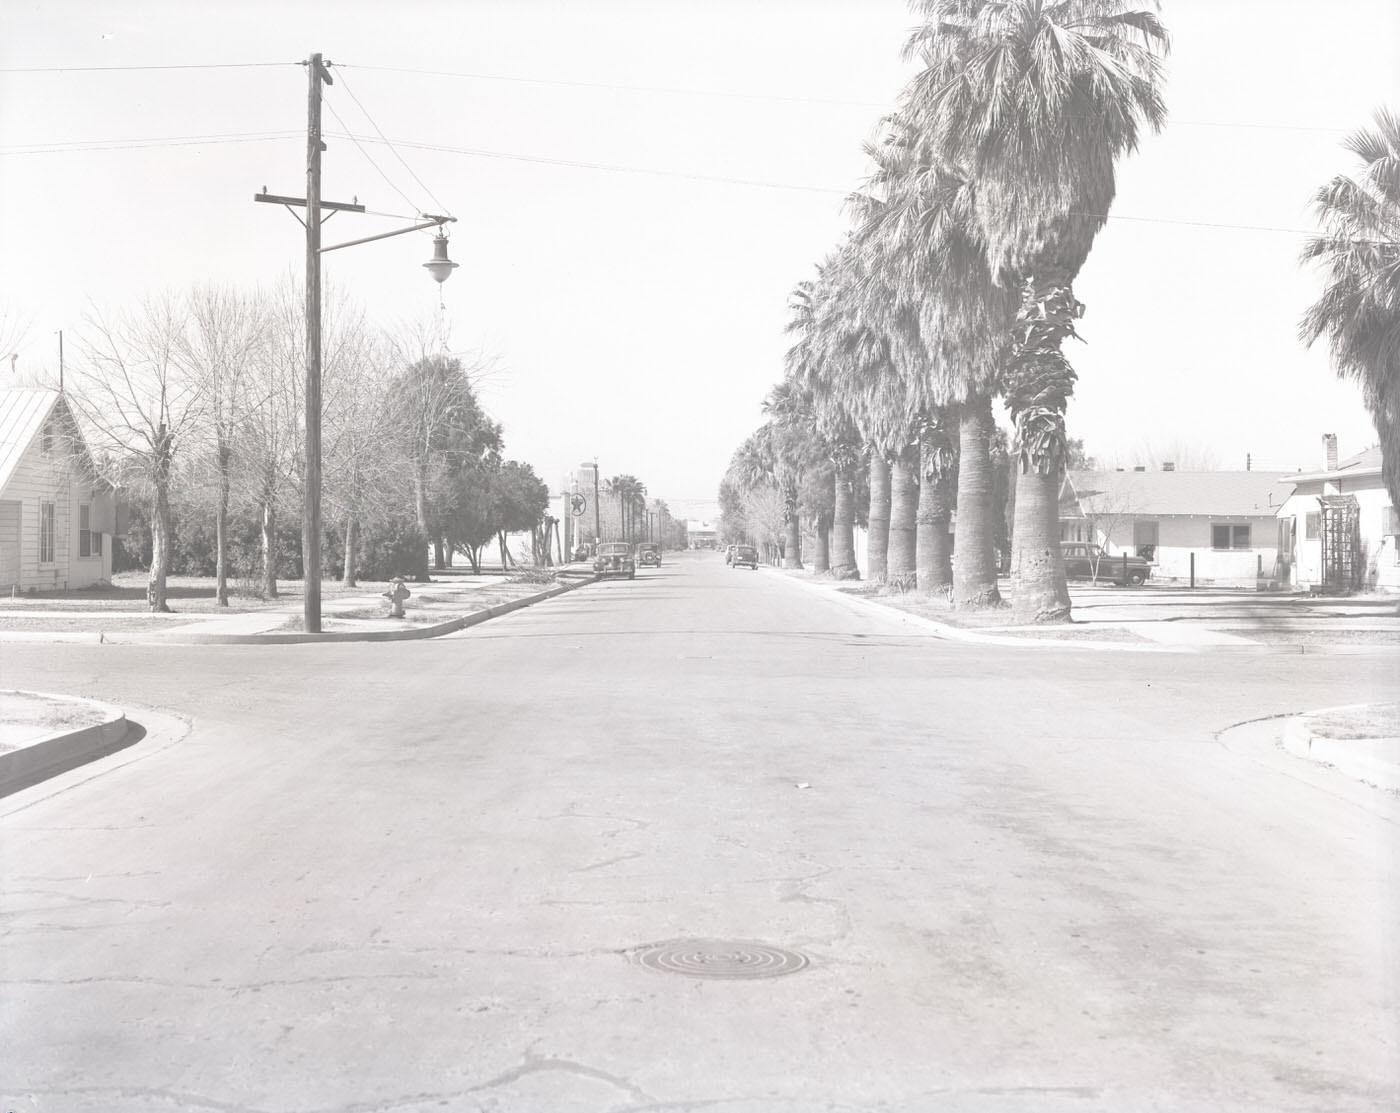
64 750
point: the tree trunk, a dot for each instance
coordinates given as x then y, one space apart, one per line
225 454
792 540
269 545
974 558
1039 590
352 532
904 501
501 541
935 554
879 518
420 514
843 520
160 549
821 558
439 554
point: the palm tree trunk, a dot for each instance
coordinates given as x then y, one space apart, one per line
935 554
1038 383
843 521
904 502
878 545
792 533
821 558
1039 590
974 558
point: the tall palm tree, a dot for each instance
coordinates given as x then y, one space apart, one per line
818 366
1034 101
1359 310
937 491
917 227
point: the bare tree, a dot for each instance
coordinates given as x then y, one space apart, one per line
138 403
221 346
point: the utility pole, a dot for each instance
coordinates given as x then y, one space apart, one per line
60 361
439 267
597 529
311 508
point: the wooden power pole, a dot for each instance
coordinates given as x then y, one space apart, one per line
311 507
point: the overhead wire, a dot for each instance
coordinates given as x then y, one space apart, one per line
370 158
394 150
111 69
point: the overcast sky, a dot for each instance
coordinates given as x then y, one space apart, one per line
640 183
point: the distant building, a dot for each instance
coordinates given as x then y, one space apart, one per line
1338 527
1224 523
701 535
56 517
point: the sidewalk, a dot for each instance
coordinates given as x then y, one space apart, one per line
449 602
1154 619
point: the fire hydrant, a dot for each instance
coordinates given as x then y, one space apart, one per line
397 593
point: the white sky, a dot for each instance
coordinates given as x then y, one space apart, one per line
639 316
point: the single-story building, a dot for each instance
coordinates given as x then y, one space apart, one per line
56 517
1221 526
1338 529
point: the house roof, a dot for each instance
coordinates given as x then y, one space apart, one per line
23 412
1363 463
1216 494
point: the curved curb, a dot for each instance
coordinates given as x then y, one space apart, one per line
1369 760
60 751
297 637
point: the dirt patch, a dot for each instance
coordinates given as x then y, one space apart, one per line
114 623
1304 636
25 716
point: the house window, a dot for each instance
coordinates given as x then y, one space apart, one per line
46 533
1145 540
1312 523
1229 536
84 530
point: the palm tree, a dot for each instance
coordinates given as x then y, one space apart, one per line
1034 101
1359 310
937 492
917 229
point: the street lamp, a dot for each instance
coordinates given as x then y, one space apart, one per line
440 267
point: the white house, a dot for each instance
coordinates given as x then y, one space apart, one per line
1221 526
1338 527
56 518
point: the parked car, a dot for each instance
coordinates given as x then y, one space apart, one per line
744 555
1082 559
649 554
614 558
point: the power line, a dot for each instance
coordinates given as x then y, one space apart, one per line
650 89
142 144
379 131
113 69
370 158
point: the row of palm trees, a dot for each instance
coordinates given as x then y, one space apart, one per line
954 287
631 495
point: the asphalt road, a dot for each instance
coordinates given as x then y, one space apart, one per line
415 876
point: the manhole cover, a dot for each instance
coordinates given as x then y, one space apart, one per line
713 958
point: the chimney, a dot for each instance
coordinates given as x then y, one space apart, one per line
1329 450
1169 466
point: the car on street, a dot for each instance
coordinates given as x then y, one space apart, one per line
614 558
649 554
1087 561
744 555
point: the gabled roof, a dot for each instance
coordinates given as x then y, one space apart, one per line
23 412
1363 463
1215 494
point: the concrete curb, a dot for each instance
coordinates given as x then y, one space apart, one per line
296 637
63 750
1376 761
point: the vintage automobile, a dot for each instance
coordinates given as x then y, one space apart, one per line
649 554
1086 561
744 555
614 558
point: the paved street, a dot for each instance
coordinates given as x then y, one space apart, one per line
416 876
